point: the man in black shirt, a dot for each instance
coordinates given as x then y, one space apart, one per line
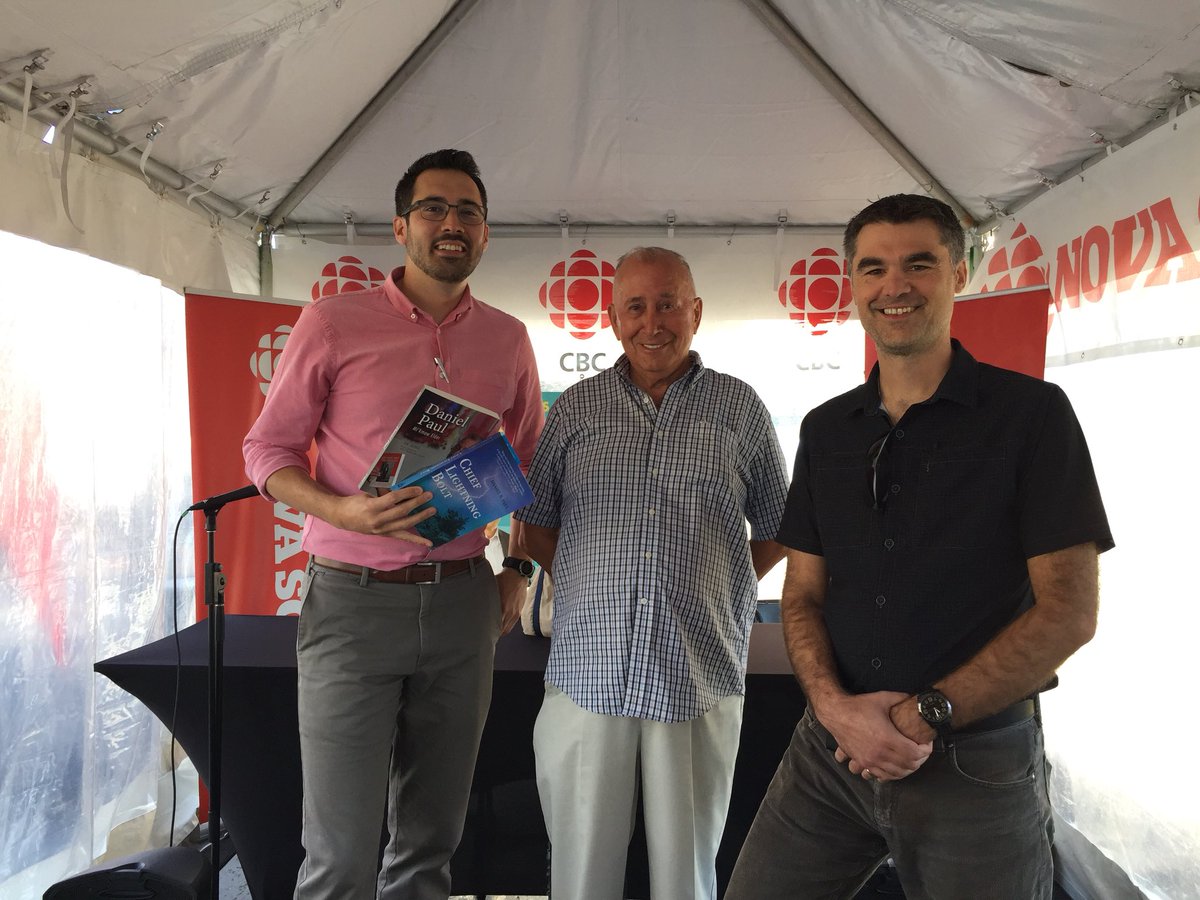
944 524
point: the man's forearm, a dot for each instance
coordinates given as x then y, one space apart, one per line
1024 656
765 555
299 490
535 542
804 633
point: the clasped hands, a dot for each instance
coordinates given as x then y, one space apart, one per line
880 735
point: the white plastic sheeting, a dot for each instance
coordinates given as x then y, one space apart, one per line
122 219
94 463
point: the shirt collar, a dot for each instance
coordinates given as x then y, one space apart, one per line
400 302
623 368
960 384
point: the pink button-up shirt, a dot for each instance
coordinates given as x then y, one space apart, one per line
351 368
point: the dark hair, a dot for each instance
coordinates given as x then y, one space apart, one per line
899 209
459 160
654 255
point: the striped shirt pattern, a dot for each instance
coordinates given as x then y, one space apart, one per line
654 586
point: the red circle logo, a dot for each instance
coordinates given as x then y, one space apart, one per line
816 292
578 293
349 273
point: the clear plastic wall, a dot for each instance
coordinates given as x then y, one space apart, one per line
94 472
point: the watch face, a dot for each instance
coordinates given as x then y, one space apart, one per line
934 708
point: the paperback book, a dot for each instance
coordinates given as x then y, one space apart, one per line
471 488
436 425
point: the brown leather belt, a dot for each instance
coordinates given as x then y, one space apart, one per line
417 573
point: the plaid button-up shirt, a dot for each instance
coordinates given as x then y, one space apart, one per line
654 586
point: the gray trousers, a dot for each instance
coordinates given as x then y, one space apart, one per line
394 687
973 821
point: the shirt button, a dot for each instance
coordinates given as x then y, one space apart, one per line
895 488
643 600
899 432
889 543
880 600
876 663
413 316
650 511
648 554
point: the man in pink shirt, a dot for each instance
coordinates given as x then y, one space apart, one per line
396 639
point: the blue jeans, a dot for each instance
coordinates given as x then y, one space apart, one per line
973 821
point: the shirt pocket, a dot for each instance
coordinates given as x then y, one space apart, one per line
841 499
963 496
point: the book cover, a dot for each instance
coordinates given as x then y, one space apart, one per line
436 425
471 488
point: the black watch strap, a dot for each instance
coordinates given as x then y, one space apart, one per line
524 566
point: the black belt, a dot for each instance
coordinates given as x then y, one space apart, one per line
1010 715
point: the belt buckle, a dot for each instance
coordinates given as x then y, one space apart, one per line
437 573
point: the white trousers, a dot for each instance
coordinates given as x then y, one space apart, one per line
587 776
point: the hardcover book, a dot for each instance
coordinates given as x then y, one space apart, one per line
471 488
436 425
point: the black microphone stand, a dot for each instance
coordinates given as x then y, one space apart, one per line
214 599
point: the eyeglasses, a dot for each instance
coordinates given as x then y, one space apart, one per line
437 210
874 459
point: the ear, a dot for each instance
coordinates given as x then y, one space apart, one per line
696 313
486 232
612 320
400 230
960 275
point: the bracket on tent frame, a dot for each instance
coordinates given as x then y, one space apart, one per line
34 61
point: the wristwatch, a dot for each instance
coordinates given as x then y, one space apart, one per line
524 566
935 709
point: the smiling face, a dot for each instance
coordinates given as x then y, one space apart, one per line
655 312
904 284
447 251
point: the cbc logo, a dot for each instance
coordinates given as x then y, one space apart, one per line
578 293
264 360
349 273
1015 264
583 363
816 292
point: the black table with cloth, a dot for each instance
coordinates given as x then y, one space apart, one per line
504 844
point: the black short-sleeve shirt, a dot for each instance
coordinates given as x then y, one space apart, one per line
926 550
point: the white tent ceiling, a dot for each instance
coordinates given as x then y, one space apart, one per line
614 111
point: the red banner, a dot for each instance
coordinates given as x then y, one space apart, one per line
1002 328
233 346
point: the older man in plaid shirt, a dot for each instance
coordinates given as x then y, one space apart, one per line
646 477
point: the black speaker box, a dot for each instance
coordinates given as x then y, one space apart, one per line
173 873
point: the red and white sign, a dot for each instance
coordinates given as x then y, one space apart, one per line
233 346
1117 247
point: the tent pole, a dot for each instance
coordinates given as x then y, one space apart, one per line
346 139
110 147
829 79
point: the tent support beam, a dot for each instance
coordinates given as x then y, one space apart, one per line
346 139
829 79
336 230
111 147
